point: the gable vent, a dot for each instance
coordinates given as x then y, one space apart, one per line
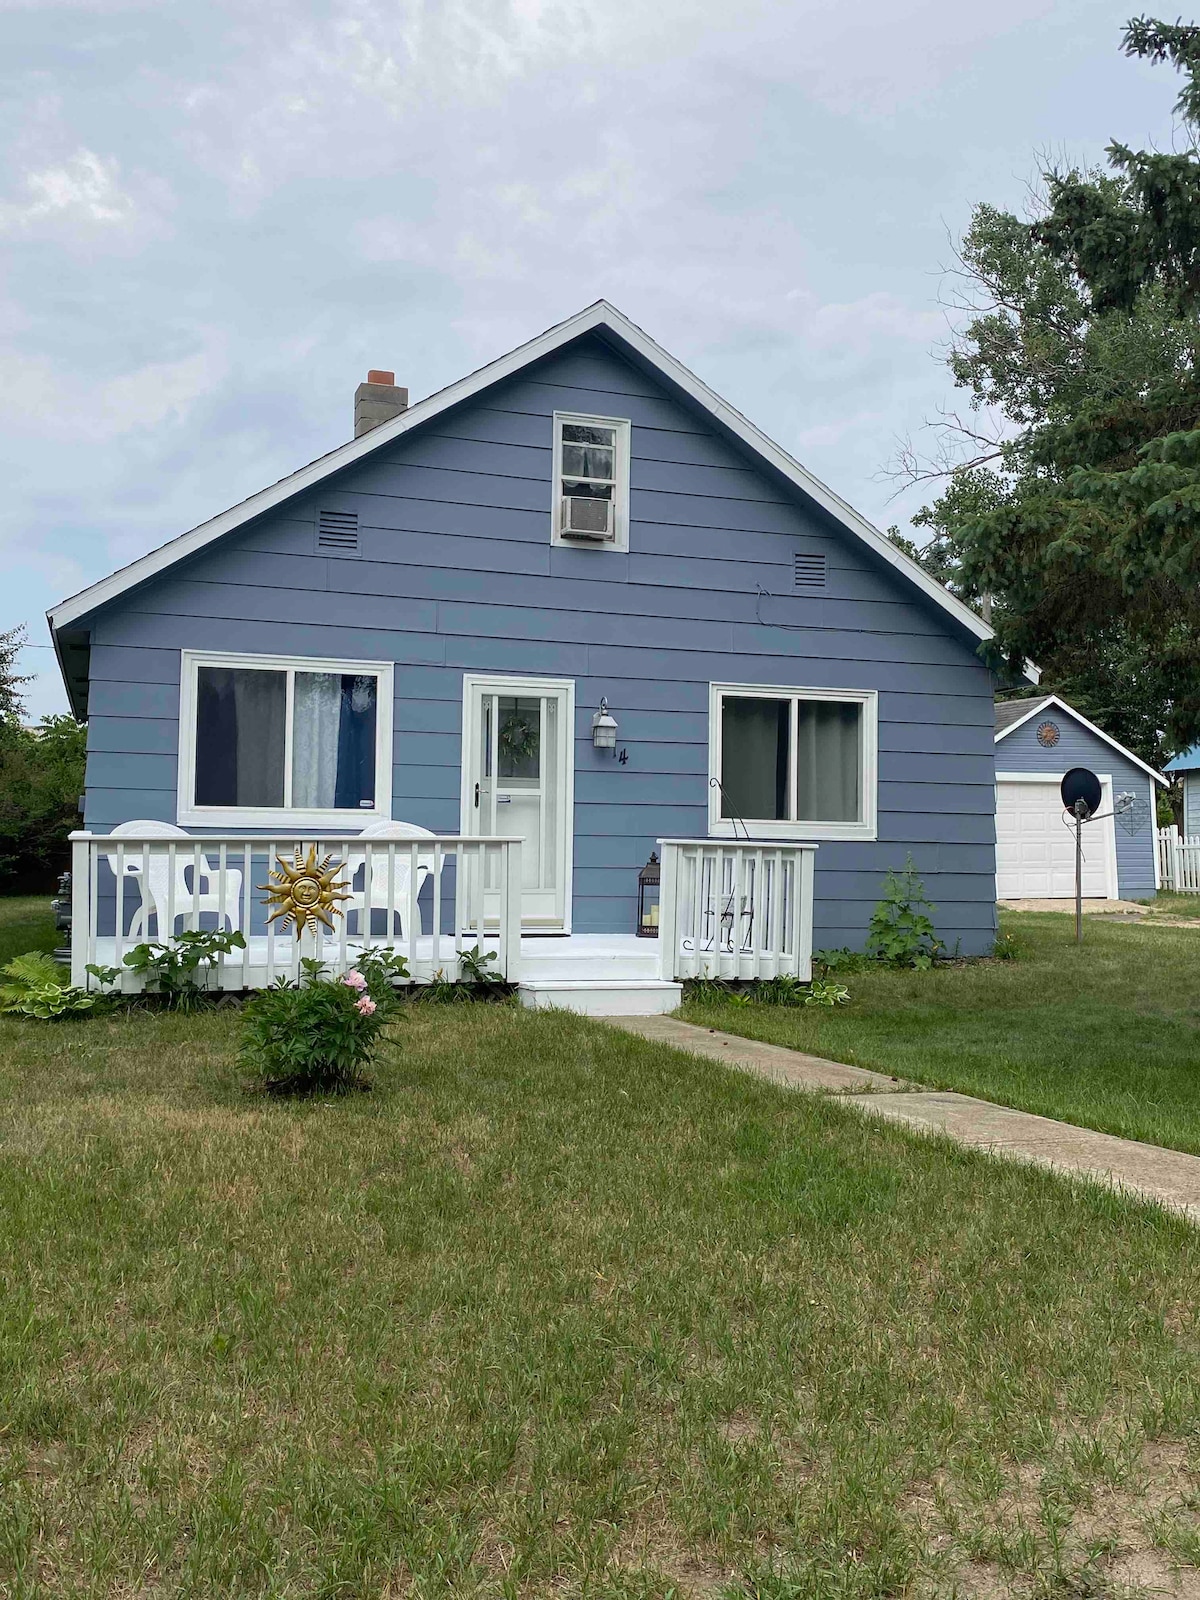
809 572
337 532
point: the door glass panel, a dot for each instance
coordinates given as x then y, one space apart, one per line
519 742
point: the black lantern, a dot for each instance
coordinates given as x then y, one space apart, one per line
648 889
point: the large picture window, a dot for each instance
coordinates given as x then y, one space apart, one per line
792 763
272 740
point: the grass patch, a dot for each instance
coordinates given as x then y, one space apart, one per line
1105 1036
26 923
558 1311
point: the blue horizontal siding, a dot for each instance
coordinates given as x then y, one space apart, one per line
456 573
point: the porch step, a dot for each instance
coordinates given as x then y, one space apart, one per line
602 997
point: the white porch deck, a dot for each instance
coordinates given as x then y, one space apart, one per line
600 974
728 909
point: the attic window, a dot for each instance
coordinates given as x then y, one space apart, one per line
337 532
591 482
809 571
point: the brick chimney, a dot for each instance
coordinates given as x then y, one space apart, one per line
378 400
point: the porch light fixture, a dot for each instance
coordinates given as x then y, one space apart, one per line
649 880
604 728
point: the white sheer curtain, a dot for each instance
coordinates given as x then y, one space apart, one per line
316 722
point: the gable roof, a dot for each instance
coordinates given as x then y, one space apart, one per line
1011 714
629 339
1189 761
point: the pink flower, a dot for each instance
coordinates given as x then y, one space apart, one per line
354 980
364 1006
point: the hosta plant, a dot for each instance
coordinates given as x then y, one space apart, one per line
35 985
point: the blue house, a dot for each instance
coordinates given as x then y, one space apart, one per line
1188 767
1038 740
572 612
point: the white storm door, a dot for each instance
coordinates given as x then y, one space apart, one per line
518 766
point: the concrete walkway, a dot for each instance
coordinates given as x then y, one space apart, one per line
1166 1176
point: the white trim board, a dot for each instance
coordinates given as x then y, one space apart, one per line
600 317
1040 705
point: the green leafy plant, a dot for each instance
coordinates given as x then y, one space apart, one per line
901 933
824 993
181 969
383 968
476 981
1007 947
37 986
843 959
474 966
712 992
317 1036
785 990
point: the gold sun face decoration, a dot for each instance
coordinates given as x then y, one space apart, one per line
306 890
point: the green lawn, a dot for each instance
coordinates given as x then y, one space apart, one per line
554 1311
1106 1036
26 923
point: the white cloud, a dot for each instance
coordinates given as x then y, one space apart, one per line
84 188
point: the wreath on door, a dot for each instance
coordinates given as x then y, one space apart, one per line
518 738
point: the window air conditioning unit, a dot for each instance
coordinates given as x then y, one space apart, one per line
586 517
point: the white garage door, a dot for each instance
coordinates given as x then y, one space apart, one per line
1035 848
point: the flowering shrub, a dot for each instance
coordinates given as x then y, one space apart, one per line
321 1034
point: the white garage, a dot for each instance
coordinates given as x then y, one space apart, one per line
1037 739
1035 843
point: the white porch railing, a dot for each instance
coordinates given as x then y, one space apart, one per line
429 899
735 909
1178 861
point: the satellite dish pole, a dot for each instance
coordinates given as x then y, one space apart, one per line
1081 794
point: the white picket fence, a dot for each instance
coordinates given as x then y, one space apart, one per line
1178 861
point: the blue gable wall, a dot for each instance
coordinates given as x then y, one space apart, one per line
457 572
1020 751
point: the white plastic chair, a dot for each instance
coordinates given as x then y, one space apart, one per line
374 894
154 880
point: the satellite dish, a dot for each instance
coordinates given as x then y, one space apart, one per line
1080 784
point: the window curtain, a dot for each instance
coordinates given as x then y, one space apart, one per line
355 784
240 722
828 745
754 758
316 727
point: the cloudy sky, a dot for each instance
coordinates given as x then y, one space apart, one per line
214 217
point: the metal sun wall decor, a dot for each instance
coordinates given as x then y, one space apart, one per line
306 890
1048 735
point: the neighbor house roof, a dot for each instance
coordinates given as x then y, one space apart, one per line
611 324
1189 761
1012 714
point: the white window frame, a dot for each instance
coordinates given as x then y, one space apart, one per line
620 539
866 827
189 814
